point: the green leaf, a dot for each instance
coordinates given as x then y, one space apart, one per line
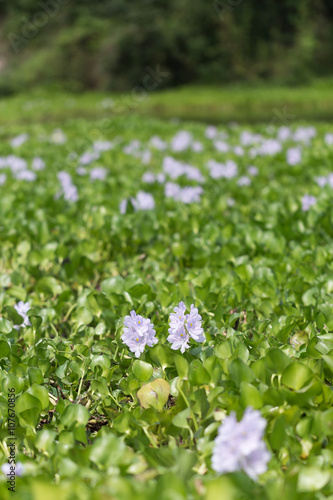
296 375
40 393
181 366
35 375
312 479
5 325
142 370
45 440
250 396
276 360
197 374
75 413
240 372
180 420
154 395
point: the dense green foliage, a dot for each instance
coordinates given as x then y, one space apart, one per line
260 273
108 44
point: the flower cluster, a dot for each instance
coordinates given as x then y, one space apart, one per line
22 308
138 332
307 201
18 469
183 326
68 189
240 445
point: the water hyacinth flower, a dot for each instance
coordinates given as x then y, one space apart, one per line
304 134
19 469
103 145
252 170
197 147
98 173
211 132
138 332
81 171
37 164
240 445
294 156
89 157
269 147
25 175
69 190
19 140
329 139
184 326
3 178
22 308
157 143
221 146
142 201
148 178
181 141
244 181
308 201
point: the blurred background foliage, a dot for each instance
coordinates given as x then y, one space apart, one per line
107 44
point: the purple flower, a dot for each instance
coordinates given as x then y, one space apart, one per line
307 201
329 139
37 164
211 132
221 146
304 134
81 171
244 181
19 140
148 178
22 308
172 190
19 468
102 146
68 189
144 201
283 133
197 147
181 141
179 340
252 170
238 150
138 332
269 147
190 194
3 178
98 173
240 445
89 157
184 326
221 170
157 143
25 175
294 156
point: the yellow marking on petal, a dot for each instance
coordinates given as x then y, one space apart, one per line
182 335
137 340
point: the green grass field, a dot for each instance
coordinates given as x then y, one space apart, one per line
243 104
96 220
